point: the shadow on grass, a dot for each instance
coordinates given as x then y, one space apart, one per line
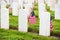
52 33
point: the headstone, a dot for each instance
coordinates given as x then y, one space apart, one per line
51 3
58 1
44 16
28 7
7 1
52 6
48 2
4 16
20 2
23 21
44 28
41 1
41 7
57 10
29 4
10 2
15 10
30 1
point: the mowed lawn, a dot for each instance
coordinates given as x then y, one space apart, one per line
16 35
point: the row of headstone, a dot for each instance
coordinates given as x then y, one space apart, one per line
44 28
14 5
55 6
5 17
19 4
51 3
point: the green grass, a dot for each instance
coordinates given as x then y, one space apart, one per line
16 35
13 20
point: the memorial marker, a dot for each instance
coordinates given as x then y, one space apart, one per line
51 3
57 10
44 28
23 18
44 16
15 10
23 21
4 16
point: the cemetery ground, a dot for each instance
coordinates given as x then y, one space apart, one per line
33 30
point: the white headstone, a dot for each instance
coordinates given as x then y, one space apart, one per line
20 2
4 16
3 4
41 1
7 1
57 12
23 21
15 10
30 1
48 2
10 2
58 1
44 28
41 7
52 6
51 3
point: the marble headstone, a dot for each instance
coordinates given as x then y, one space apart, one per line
4 16
22 20
44 28
44 16
15 10
57 11
41 7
